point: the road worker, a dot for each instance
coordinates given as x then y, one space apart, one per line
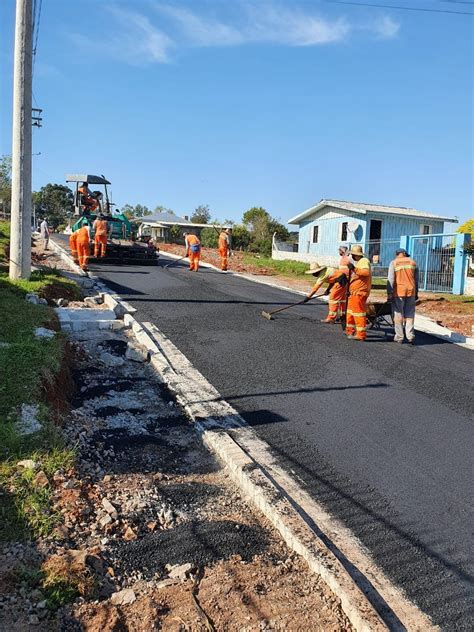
402 290
336 281
44 232
82 241
193 250
225 238
360 282
100 236
73 247
88 199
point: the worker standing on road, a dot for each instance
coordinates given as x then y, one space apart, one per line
193 250
402 290
338 293
83 240
224 245
44 232
73 247
359 290
100 236
336 281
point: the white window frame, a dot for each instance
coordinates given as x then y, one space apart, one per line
318 240
340 231
429 227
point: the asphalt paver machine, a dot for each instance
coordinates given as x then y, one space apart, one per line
121 248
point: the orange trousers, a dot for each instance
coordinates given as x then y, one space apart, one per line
83 252
224 254
356 321
337 302
100 245
194 258
73 247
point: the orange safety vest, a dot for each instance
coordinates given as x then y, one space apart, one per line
343 264
361 278
223 241
100 227
405 284
83 235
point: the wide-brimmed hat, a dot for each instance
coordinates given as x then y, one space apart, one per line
356 250
315 268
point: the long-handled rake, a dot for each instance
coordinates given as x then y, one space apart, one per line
269 315
173 263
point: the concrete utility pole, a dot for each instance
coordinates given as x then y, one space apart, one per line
20 237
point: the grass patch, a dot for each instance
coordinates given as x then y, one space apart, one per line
286 267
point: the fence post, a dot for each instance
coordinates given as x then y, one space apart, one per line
460 262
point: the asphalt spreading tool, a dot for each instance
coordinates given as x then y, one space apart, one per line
173 263
269 315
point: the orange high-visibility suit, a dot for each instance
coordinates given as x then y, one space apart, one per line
73 247
193 251
83 246
359 290
224 249
338 293
87 199
100 237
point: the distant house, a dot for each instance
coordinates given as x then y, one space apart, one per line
158 225
378 228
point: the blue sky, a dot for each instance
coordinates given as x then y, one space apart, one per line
253 103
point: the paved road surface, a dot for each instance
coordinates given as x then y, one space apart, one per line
380 433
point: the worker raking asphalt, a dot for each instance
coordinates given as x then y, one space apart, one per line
380 433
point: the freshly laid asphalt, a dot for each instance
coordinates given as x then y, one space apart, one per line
381 434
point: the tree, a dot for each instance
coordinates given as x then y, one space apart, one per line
209 237
5 184
135 211
202 215
468 227
240 237
54 201
163 209
254 217
175 233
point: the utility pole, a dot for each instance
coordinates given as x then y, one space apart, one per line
20 235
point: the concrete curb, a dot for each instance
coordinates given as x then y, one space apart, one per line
66 257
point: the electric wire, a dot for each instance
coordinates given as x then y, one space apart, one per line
398 6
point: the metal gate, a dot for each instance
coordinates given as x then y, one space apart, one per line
434 256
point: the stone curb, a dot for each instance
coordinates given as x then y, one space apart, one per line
66 257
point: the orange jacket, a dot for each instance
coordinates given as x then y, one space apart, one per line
100 227
192 244
403 277
223 241
343 263
83 235
361 278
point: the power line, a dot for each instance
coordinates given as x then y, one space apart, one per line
37 6
397 6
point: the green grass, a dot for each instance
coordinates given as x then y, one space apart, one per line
26 363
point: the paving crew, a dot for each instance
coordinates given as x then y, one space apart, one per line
402 290
88 199
79 243
336 279
224 245
359 289
193 250
100 236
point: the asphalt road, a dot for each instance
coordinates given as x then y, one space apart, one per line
381 434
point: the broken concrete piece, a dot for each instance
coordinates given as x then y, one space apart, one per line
28 423
135 353
28 464
105 520
62 302
110 360
92 301
41 332
109 508
164 583
129 534
180 571
123 597
41 480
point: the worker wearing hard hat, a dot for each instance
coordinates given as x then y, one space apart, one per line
360 283
402 290
224 245
336 280
193 250
100 236
79 243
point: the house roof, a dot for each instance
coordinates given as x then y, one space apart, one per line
165 219
363 208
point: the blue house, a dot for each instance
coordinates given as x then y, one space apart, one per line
377 228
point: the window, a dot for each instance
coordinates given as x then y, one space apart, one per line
344 231
315 234
426 229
